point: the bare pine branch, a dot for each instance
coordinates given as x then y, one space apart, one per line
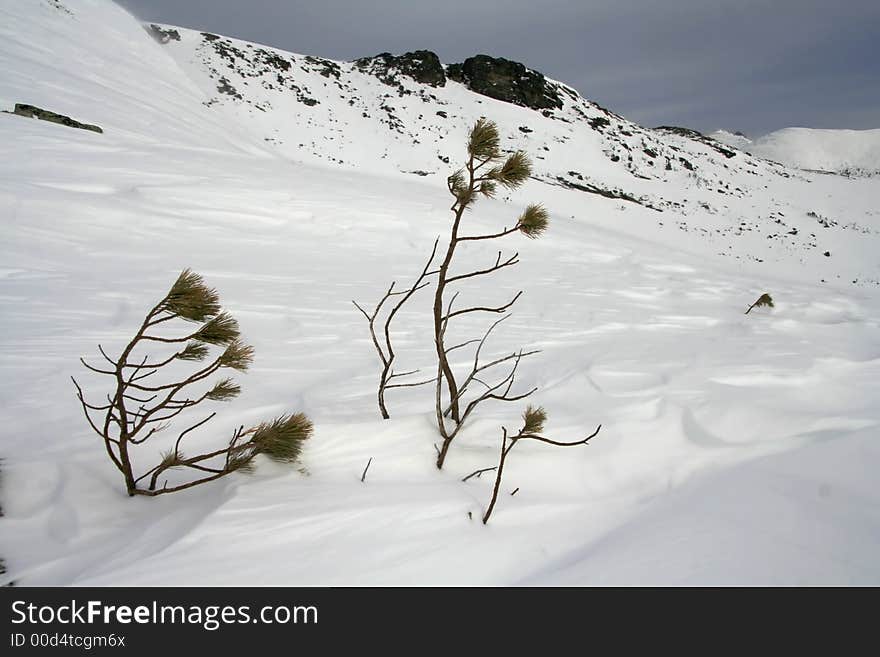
512 260
485 309
479 473
384 346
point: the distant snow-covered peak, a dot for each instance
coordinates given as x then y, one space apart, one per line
848 152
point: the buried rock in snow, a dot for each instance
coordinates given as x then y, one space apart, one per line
33 112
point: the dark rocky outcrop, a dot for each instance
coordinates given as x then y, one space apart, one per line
45 115
162 35
697 136
254 62
690 133
585 186
224 87
506 80
421 65
599 123
325 67
60 7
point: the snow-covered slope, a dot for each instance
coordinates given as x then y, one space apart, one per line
734 448
848 152
90 59
374 114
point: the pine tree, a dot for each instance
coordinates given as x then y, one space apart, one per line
486 170
141 407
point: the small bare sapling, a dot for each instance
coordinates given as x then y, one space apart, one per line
533 426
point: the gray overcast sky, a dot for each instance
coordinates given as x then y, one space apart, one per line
750 65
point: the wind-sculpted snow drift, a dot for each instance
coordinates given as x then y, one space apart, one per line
734 448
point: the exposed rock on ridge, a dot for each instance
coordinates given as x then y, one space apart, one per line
421 65
506 80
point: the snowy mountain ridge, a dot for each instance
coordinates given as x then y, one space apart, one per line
385 112
402 114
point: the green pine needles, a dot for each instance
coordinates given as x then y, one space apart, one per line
190 299
765 300
534 419
533 222
142 407
484 142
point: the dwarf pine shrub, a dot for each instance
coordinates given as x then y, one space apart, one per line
142 406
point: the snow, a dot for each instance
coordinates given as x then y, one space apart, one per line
734 448
853 152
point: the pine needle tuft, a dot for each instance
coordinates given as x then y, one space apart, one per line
465 198
456 183
533 420
515 171
533 221
219 330
763 300
242 461
237 356
488 188
282 438
171 459
224 390
194 351
484 142
190 299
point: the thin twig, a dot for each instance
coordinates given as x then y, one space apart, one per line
479 473
484 309
496 267
364 475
